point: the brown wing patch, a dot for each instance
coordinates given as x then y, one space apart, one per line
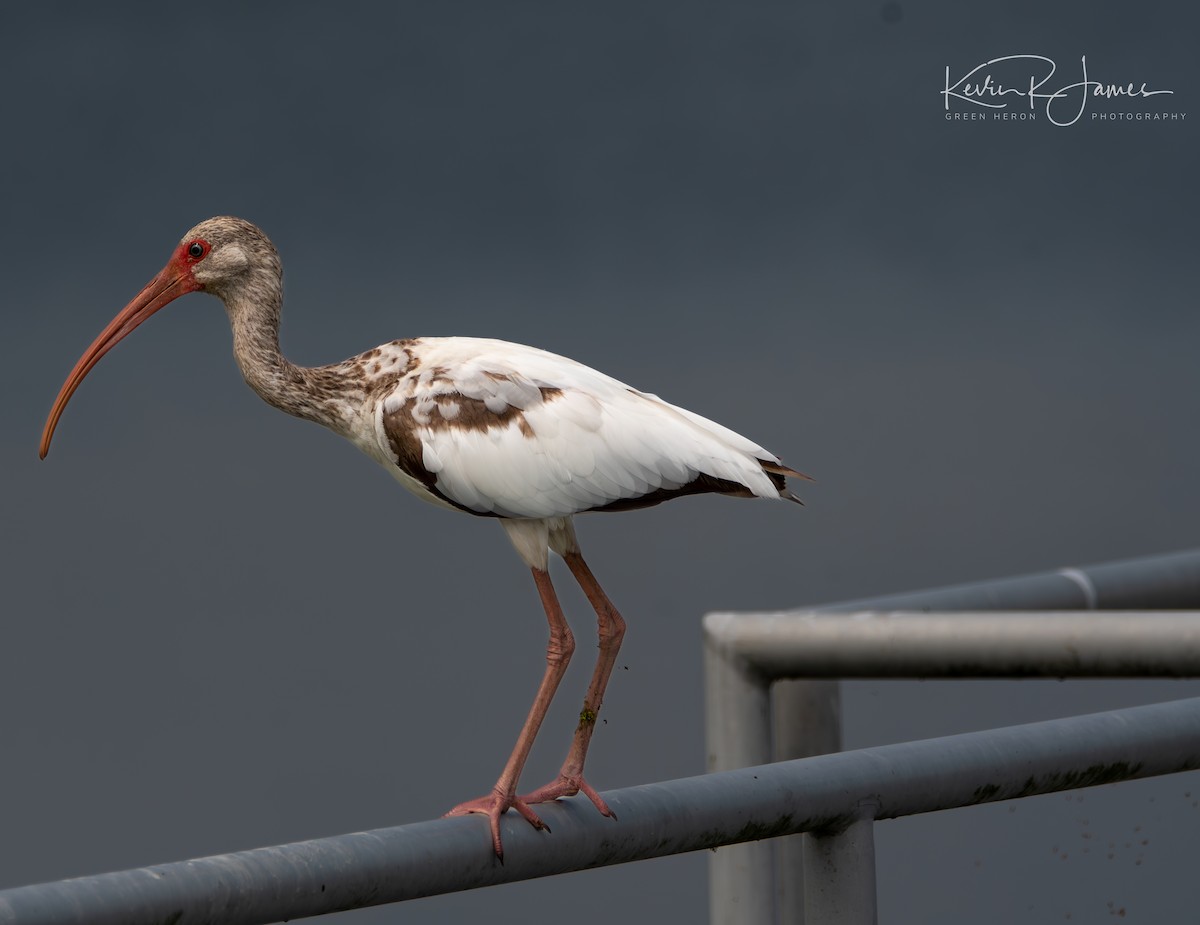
410 456
406 447
447 410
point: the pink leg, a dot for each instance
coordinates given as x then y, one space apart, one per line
611 631
558 654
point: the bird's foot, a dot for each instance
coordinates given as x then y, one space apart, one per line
494 805
568 786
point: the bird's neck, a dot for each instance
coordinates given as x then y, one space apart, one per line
321 394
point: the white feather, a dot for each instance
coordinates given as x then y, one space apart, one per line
588 441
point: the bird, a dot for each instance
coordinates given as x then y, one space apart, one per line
486 427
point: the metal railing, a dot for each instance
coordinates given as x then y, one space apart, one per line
767 698
836 797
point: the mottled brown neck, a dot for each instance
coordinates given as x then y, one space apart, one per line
328 395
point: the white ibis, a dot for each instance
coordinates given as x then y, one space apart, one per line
482 426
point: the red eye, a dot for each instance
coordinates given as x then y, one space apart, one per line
197 250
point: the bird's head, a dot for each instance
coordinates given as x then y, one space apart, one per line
225 256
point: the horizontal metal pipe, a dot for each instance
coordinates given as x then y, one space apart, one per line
820 794
1161 582
813 644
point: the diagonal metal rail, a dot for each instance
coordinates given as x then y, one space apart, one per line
842 792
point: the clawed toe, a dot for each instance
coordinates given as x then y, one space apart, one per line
494 805
568 787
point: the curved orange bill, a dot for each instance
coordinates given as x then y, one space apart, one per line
173 280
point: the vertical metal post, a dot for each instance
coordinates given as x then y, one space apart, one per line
839 873
807 722
741 878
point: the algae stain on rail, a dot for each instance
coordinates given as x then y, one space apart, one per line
1091 776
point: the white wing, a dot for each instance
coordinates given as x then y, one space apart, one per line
513 431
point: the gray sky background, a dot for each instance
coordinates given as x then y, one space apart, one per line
224 628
